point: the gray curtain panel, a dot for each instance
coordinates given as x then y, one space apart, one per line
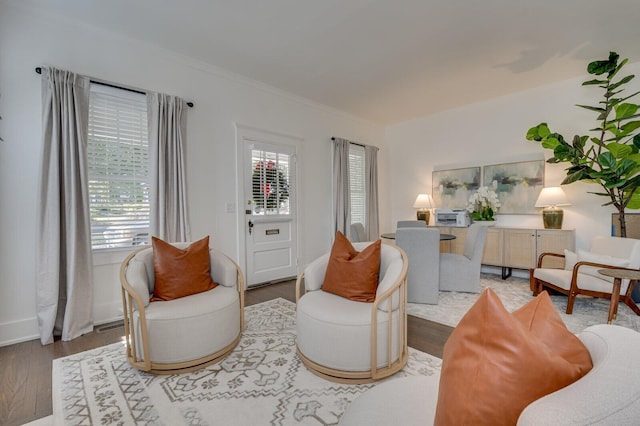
167 136
371 188
342 199
63 258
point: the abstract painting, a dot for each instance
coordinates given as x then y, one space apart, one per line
517 185
452 188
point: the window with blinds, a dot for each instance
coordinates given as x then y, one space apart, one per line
118 166
357 183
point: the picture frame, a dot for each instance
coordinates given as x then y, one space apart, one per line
451 188
517 185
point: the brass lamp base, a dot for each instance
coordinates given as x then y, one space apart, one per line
423 215
552 218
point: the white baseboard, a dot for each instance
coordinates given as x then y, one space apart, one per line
19 331
24 330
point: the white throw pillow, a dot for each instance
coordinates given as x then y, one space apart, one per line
570 259
585 256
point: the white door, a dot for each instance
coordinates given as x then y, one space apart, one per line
270 210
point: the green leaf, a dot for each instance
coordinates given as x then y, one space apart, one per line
573 177
622 81
630 127
614 184
607 159
594 82
630 96
634 202
606 66
550 143
562 152
579 143
539 132
592 108
625 110
636 141
611 93
619 150
626 168
618 68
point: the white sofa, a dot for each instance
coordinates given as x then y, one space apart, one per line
608 395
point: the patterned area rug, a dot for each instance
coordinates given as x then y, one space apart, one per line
514 292
262 382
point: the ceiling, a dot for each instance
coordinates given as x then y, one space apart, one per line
382 60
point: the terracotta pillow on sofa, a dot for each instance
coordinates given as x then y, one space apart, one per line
496 363
181 272
350 273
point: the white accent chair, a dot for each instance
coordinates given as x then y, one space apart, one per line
461 272
422 246
184 334
353 342
357 234
581 276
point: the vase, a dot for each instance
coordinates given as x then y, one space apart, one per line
485 222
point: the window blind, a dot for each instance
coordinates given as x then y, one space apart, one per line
357 183
118 167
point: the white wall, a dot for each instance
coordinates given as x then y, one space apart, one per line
493 132
28 40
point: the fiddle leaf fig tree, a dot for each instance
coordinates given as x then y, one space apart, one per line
610 155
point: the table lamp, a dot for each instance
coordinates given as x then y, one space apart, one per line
423 203
550 198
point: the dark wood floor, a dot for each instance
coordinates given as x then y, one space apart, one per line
25 368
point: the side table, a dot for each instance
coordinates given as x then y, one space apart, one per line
619 275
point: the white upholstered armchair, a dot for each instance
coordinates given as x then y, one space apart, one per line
422 246
353 342
357 234
183 334
580 274
461 272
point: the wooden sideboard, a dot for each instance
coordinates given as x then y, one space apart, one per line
517 248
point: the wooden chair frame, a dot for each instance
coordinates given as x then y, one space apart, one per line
537 285
131 301
374 373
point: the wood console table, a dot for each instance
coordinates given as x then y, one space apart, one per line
512 247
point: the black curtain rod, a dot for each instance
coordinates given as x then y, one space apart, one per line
355 143
189 104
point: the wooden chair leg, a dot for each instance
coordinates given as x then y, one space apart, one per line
570 302
628 300
533 285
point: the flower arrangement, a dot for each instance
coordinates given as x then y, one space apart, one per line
484 204
270 185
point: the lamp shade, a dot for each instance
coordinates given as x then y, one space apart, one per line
423 201
552 196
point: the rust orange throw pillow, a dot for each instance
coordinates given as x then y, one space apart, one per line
496 363
350 273
180 273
